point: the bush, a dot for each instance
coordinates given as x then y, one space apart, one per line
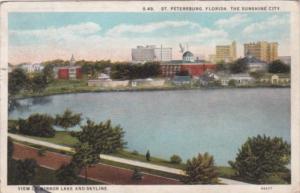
40 125
201 170
175 159
42 151
136 175
261 157
135 152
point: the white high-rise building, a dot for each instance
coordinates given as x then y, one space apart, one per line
151 53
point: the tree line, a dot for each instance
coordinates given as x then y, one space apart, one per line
240 66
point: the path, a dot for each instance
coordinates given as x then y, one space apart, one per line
117 159
100 172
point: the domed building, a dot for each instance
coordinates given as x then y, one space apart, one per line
188 57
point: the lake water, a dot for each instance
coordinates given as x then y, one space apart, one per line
185 122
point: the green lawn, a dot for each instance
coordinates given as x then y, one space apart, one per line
64 138
61 138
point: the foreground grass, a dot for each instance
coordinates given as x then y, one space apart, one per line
64 138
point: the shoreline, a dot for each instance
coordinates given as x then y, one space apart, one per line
143 90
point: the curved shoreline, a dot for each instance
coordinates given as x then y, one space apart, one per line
144 90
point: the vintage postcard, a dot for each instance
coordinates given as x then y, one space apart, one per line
162 96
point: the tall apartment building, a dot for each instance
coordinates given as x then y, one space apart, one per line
151 53
262 50
226 53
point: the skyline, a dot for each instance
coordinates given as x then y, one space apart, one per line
102 36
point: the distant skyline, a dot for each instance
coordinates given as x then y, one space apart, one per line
36 37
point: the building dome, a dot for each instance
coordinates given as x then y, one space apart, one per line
188 56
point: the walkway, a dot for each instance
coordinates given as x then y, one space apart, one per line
117 159
100 172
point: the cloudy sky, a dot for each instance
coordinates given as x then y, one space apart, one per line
35 37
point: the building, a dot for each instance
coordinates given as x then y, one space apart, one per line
148 82
276 79
182 80
150 53
285 59
254 64
194 67
68 72
241 79
31 68
226 53
262 50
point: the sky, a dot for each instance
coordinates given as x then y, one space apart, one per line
37 37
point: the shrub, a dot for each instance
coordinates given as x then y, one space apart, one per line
135 152
201 170
148 156
136 175
40 125
261 157
42 151
175 159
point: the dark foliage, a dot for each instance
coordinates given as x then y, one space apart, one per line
278 66
25 171
201 170
261 157
37 125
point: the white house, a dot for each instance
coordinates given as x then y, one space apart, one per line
30 68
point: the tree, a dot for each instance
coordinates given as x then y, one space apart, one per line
48 73
238 66
201 170
221 66
38 83
67 119
231 82
136 175
260 157
148 156
175 159
37 125
25 171
67 174
277 66
85 157
103 137
17 81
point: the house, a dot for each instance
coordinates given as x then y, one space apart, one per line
276 79
31 68
242 79
208 78
149 82
181 80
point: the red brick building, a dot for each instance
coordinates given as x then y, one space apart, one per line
197 69
68 72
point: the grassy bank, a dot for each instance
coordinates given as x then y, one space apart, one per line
64 138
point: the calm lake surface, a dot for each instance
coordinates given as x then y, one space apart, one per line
184 122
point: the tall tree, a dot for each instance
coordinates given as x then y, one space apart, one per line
48 73
201 170
17 81
103 137
68 119
25 171
260 157
85 157
38 83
